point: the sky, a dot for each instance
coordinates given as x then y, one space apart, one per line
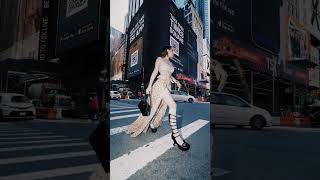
118 11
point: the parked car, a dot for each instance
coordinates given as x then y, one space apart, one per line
182 96
115 95
228 109
16 106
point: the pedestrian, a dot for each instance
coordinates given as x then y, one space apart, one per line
93 108
160 99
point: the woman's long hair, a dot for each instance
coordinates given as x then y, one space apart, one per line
164 51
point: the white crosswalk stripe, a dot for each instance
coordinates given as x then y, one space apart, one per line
125 166
40 141
124 116
33 137
129 163
53 172
22 141
117 108
42 146
124 111
25 134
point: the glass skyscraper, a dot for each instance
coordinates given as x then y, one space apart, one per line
202 7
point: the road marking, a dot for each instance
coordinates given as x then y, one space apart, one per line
17 129
220 172
54 172
118 130
41 141
121 129
33 137
45 157
65 121
122 105
124 116
42 146
128 164
13 129
118 112
25 134
116 108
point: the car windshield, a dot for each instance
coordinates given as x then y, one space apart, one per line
20 99
183 93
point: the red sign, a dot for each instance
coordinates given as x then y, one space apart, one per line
227 48
184 77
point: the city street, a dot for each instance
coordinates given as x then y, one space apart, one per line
47 149
152 155
277 153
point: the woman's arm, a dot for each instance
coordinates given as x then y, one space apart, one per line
173 80
155 72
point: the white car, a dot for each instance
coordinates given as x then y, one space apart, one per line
228 109
182 96
16 106
115 95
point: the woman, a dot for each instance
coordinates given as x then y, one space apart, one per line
160 99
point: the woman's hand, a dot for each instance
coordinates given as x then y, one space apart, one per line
148 90
178 84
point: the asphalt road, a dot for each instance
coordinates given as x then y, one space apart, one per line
277 153
47 149
152 155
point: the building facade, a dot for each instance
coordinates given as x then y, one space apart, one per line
195 22
20 21
149 31
134 6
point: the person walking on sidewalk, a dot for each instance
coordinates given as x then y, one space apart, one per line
93 108
160 99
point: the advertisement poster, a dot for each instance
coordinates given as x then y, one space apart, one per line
298 43
78 24
135 58
74 6
135 44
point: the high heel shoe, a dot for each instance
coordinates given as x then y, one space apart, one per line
175 134
184 147
154 130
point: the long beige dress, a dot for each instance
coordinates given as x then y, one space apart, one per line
160 99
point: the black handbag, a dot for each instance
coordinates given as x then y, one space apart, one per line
99 140
145 106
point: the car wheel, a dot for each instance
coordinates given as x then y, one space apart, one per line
257 123
190 100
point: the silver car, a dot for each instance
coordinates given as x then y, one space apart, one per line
16 106
228 109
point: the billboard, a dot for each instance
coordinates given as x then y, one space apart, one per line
184 41
47 32
298 42
265 23
135 44
78 23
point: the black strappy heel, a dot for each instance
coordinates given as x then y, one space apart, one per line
173 124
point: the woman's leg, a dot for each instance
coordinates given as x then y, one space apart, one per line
173 118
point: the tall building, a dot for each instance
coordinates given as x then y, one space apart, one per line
134 6
202 7
195 22
155 25
115 40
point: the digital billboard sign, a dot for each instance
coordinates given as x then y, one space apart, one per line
78 23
